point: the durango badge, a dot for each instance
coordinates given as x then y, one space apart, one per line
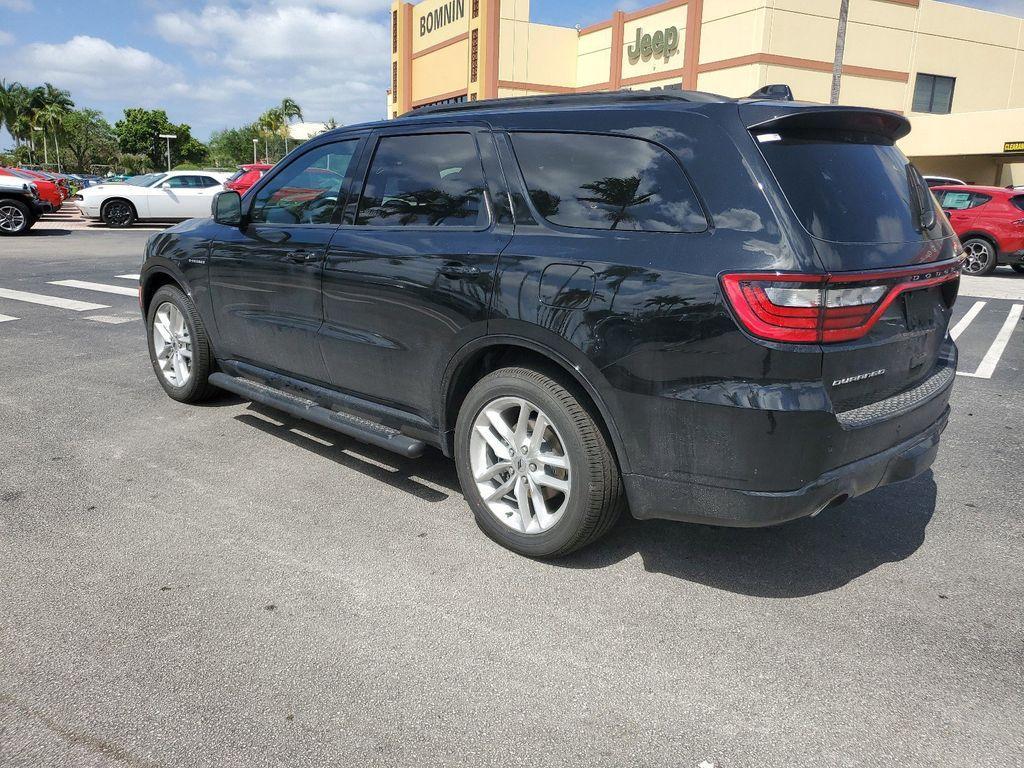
859 377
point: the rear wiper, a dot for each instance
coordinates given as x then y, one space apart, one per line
919 198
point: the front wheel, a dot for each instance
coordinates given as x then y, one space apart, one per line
179 347
534 464
15 218
118 213
980 256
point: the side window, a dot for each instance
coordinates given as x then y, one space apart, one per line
431 180
307 191
180 182
208 181
952 200
1018 202
607 182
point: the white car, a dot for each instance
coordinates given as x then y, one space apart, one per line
173 196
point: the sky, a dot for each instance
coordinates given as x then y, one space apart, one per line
219 63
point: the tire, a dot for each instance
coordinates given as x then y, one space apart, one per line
118 214
15 218
1018 268
981 256
595 496
193 387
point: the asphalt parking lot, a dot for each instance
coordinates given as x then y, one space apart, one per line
220 586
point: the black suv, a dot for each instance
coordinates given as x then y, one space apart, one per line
703 309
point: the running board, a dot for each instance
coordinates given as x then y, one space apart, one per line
363 430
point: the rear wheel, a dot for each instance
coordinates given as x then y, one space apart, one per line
980 256
179 347
534 464
118 213
15 217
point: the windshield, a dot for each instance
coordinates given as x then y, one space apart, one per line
145 180
851 187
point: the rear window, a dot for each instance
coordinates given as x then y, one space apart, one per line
237 175
850 187
955 200
607 182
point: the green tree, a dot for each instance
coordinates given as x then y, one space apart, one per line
89 140
233 146
289 109
138 133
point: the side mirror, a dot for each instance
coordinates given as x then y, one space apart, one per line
227 208
165 185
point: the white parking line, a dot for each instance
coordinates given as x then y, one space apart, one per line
991 359
50 301
111 319
120 290
128 277
6 318
961 326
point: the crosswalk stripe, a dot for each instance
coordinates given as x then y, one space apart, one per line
965 321
991 359
120 290
6 318
127 277
50 301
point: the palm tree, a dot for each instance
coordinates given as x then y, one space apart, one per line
619 194
289 109
270 122
52 117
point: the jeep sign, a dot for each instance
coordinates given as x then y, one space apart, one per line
663 43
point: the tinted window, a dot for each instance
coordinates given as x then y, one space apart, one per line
607 182
209 181
933 93
954 200
185 182
1018 201
433 180
307 191
849 187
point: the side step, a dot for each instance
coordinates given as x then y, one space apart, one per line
362 430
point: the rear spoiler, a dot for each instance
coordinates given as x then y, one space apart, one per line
780 116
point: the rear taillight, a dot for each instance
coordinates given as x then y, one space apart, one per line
799 308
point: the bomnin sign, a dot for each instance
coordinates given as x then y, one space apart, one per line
441 16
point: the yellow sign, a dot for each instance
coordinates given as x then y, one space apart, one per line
1013 146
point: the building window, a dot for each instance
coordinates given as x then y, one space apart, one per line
394 82
476 8
474 50
934 93
394 31
453 100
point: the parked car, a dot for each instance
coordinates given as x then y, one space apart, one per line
247 175
943 181
63 188
677 302
20 206
989 222
170 196
49 192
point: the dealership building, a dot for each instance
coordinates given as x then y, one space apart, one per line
956 72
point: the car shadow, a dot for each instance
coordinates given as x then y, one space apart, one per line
798 559
35 232
801 558
417 477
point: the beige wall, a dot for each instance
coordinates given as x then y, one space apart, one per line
442 33
442 71
594 58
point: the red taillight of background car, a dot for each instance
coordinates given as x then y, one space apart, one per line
823 308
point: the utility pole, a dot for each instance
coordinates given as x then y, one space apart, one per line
46 154
255 143
168 136
837 64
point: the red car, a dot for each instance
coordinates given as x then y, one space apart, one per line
990 224
49 192
246 176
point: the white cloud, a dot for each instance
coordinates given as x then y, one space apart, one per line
331 56
95 68
18 6
6 38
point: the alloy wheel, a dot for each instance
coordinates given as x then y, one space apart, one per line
519 465
172 345
976 257
11 219
118 214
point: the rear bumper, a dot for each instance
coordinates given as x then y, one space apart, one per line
653 497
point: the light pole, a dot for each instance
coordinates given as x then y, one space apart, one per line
168 136
46 155
255 143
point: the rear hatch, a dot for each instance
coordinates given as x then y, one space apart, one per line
889 256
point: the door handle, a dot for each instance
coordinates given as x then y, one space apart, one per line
302 257
458 271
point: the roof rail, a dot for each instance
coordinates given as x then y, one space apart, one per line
569 99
